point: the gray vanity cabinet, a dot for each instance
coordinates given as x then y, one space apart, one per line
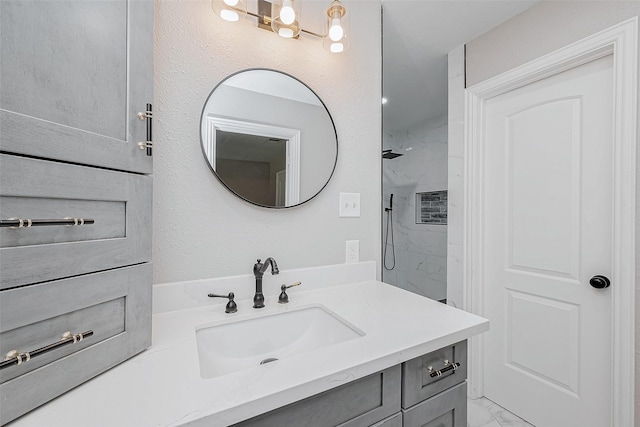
448 409
405 395
432 400
75 74
362 402
393 421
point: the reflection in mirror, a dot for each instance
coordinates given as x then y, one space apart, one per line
268 138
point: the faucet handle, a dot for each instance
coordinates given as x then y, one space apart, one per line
231 307
284 298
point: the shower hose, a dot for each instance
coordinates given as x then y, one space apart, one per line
389 211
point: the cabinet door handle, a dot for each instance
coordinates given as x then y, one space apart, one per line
148 116
447 367
14 357
26 223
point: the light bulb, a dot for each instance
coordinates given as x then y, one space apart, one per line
287 14
337 47
231 2
336 32
229 15
285 32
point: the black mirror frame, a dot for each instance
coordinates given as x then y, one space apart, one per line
335 163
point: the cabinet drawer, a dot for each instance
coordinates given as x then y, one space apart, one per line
417 382
359 403
448 409
119 203
114 304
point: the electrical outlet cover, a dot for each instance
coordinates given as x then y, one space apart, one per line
353 251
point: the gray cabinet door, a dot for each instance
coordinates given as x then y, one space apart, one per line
392 421
359 403
447 409
74 76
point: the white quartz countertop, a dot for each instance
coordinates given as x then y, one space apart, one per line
163 387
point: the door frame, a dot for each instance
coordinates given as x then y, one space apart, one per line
292 184
620 41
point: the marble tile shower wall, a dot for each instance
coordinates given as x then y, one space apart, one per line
420 249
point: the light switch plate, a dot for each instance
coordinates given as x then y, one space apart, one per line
353 251
349 205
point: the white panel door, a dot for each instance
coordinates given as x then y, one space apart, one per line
548 230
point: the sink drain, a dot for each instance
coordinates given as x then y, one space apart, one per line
269 360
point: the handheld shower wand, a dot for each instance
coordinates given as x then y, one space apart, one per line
389 212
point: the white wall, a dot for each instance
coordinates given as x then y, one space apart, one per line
455 211
200 230
540 30
420 249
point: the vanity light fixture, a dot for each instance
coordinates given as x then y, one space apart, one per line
284 20
337 23
229 10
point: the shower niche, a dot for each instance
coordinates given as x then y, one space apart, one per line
431 207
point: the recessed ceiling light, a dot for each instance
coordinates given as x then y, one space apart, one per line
384 100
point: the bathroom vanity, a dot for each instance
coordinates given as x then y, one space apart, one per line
412 394
356 353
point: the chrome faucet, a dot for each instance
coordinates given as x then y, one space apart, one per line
258 271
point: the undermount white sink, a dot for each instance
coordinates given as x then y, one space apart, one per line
235 346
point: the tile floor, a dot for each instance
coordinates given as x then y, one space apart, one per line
484 413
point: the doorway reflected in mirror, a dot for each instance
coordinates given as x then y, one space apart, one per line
268 138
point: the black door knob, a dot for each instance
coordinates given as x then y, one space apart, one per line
600 282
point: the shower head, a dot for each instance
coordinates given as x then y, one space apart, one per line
388 154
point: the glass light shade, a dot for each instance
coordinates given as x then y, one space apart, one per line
336 47
285 17
287 14
336 39
229 10
285 32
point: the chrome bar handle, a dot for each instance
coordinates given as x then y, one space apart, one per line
148 116
15 357
447 367
27 222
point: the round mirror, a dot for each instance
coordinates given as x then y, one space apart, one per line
268 138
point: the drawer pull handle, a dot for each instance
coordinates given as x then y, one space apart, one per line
14 357
26 223
447 367
148 116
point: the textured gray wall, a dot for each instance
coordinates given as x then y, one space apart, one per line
201 230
